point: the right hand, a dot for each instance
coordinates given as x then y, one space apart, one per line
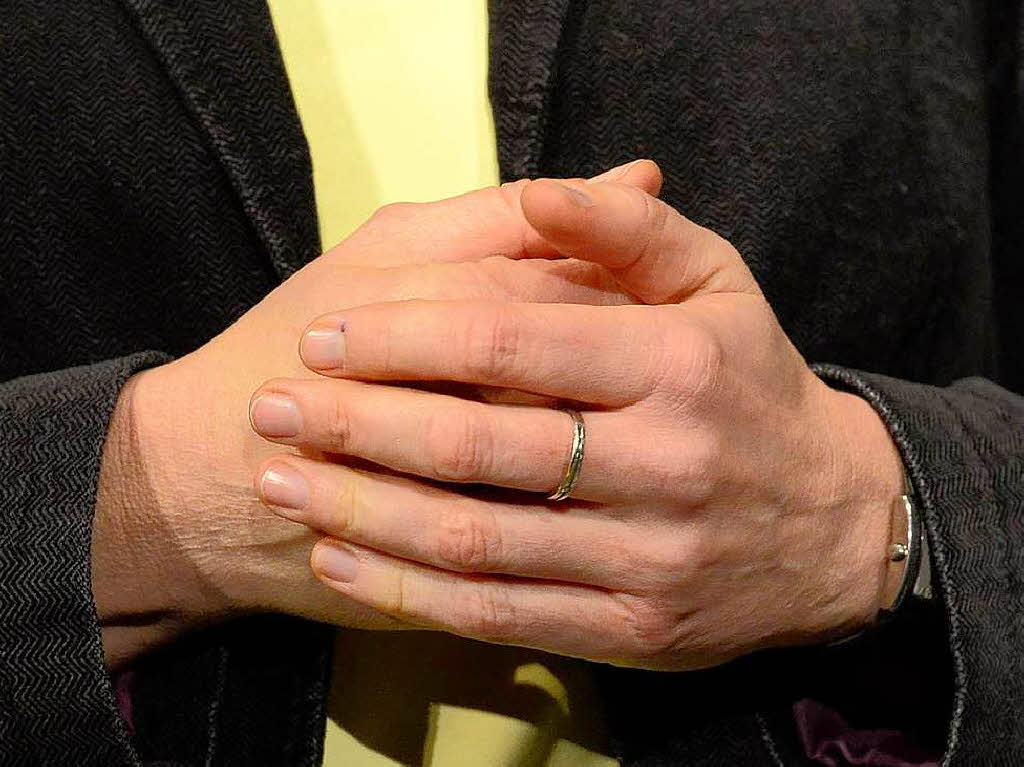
178 533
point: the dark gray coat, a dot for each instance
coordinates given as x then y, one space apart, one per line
864 155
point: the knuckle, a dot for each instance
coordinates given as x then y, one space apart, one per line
468 541
393 213
395 600
337 425
689 366
673 563
492 344
652 630
489 612
342 516
705 458
701 553
459 446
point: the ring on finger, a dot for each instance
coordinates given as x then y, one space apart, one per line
572 470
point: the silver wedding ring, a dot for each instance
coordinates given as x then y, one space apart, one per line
572 471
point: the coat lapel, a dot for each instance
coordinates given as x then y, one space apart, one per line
224 60
525 37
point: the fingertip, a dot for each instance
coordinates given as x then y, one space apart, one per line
315 557
334 563
322 344
265 468
644 174
275 415
257 480
258 475
553 208
602 229
263 389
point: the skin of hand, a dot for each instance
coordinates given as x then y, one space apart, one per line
178 538
729 500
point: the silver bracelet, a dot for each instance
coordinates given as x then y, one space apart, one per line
908 550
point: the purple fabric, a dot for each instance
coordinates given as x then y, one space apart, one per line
123 683
829 740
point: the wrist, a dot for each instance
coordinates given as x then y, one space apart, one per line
869 490
230 555
146 592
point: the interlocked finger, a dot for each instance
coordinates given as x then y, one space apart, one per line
444 529
556 617
445 438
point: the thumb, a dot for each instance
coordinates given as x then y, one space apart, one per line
654 252
469 227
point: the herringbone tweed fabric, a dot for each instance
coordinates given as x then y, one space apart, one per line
866 156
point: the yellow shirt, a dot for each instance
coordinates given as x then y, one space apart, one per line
393 100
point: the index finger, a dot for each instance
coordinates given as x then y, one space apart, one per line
594 354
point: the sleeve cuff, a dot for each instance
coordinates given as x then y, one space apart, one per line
963 447
56 701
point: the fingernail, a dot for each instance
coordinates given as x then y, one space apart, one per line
275 416
612 175
323 348
284 487
335 563
577 197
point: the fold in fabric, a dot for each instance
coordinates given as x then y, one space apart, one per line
829 740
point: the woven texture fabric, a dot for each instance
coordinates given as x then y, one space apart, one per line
865 156
52 698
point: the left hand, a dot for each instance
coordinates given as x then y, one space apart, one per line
729 500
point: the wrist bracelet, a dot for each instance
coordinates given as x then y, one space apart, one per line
904 551
907 549
909 563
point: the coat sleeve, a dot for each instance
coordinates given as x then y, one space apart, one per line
56 703
963 446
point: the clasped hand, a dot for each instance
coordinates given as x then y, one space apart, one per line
728 501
